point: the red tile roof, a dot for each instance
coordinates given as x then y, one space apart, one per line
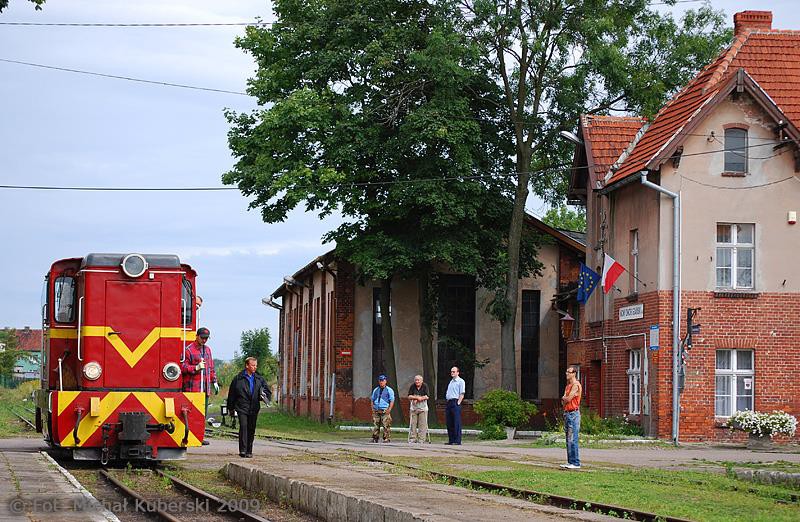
770 57
606 137
29 340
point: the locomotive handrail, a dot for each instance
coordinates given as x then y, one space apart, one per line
183 322
80 322
60 380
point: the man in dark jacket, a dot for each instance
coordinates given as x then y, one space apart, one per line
247 389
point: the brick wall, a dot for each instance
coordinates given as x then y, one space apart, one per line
344 329
767 323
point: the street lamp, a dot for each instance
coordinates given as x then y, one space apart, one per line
571 136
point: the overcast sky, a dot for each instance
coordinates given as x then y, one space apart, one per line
60 128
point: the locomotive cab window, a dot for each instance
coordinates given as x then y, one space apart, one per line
186 301
64 291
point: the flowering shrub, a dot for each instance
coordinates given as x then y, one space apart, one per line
764 424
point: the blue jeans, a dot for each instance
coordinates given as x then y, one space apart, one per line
572 425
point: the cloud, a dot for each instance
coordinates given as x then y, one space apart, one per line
259 250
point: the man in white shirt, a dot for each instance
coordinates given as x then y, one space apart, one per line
452 413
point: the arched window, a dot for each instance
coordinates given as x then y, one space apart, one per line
736 150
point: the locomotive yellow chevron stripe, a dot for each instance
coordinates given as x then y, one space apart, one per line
131 356
155 407
89 425
65 398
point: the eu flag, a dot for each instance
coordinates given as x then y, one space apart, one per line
587 282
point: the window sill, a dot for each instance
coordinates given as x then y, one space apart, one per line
729 174
735 294
721 422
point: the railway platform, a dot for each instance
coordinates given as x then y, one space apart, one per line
33 488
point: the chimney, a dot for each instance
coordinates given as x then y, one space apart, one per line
752 20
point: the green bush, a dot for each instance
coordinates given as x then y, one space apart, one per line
492 432
504 408
594 424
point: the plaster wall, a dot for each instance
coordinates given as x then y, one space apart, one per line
635 207
405 329
729 200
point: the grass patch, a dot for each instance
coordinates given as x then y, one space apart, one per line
777 465
693 495
10 425
597 441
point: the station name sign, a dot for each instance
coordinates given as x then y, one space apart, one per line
629 313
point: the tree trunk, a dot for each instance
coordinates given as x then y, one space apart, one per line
508 356
426 344
388 345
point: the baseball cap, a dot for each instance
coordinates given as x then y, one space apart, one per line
203 332
381 377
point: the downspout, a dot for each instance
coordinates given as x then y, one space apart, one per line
676 299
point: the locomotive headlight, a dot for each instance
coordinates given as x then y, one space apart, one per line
134 265
92 370
172 371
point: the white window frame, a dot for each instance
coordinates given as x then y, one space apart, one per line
634 382
732 375
735 247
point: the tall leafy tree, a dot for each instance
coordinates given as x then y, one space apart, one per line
379 109
8 352
256 343
556 59
566 218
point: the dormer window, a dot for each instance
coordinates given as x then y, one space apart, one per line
736 151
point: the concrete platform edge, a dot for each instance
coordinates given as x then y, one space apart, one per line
313 499
108 515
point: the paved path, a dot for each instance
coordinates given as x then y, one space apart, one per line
361 488
33 489
687 456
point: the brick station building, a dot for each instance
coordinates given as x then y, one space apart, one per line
330 328
727 145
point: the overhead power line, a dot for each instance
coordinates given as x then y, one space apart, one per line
563 167
117 77
230 24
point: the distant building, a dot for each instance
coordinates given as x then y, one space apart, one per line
330 325
28 365
728 145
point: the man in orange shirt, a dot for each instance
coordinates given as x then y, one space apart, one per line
572 417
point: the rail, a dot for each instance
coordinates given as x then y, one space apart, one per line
140 500
23 419
530 495
221 505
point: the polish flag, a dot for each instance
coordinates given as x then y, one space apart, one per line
611 272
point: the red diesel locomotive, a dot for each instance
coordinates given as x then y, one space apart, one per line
115 328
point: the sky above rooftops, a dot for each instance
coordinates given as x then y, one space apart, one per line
60 128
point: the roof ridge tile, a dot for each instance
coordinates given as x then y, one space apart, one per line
726 61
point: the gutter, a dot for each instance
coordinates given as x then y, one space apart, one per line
676 298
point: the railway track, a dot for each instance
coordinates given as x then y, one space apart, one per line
530 495
198 504
27 422
524 494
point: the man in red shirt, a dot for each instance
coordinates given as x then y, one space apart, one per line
572 417
198 368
